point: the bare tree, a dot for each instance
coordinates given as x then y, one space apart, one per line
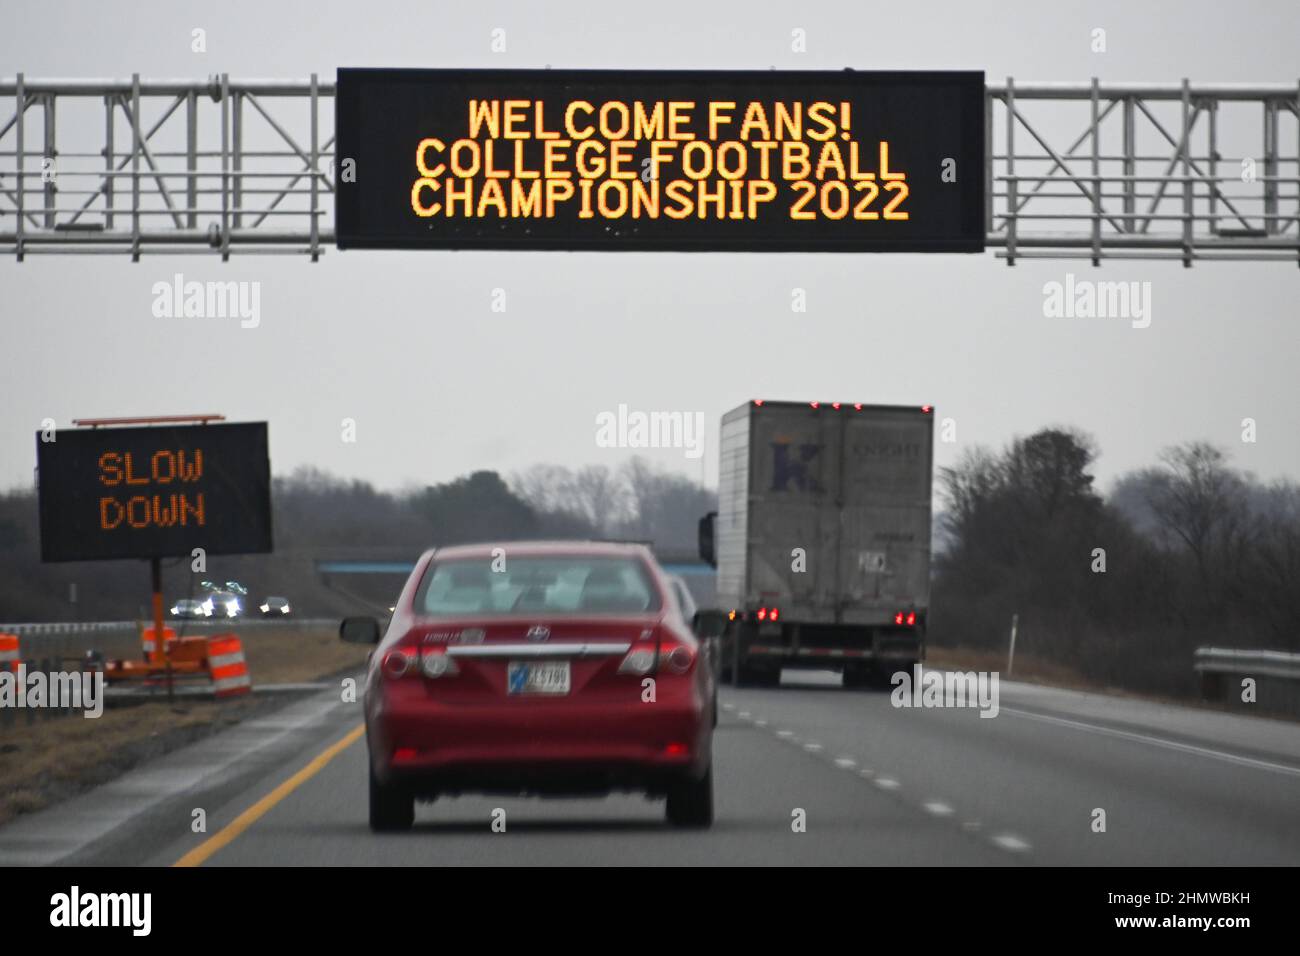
1200 501
600 495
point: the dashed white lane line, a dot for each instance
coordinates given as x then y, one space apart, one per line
1009 841
937 808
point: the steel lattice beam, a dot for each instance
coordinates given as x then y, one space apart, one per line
1085 170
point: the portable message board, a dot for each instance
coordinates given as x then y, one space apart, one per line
775 161
154 492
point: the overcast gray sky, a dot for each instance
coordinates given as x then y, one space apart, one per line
406 343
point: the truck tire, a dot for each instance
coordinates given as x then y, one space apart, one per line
760 677
392 808
690 802
857 676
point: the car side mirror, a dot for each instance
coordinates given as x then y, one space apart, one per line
707 554
359 630
710 623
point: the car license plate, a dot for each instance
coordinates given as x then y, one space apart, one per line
544 677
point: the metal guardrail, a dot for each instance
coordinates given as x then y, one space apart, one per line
60 628
72 627
1223 660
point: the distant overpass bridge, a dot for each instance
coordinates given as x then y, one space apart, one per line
1182 171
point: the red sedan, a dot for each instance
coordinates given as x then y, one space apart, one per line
556 668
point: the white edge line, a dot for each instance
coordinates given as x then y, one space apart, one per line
1160 742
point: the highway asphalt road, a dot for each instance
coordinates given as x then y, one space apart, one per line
876 785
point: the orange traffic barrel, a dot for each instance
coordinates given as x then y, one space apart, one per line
227 665
9 654
150 646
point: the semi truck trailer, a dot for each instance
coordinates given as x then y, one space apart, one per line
821 539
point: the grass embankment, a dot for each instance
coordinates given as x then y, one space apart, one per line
53 759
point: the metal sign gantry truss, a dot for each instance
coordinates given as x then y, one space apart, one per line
1090 171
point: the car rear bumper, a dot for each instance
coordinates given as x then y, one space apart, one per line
544 746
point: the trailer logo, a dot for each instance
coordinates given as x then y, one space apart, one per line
787 469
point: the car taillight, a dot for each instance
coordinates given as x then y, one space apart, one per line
438 664
398 663
911 618
640 661
679 659
675 658
762 614
905 617
413 661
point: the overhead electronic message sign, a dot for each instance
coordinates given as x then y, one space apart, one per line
775 161
154 492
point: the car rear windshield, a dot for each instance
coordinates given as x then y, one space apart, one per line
533 585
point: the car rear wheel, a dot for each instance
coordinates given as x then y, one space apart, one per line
391 807
690 802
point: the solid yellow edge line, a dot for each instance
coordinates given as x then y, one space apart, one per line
201 853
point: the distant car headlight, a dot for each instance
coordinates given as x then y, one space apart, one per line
284 609
207 606
266 609
176 610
